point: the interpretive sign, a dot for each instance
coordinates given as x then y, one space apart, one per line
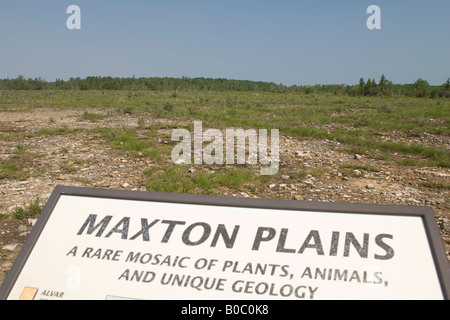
105 244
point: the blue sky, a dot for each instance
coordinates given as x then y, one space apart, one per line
284 41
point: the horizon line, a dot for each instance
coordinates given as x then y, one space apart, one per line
210 78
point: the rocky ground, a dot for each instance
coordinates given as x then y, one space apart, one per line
310 170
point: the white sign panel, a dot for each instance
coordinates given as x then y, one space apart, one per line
95 247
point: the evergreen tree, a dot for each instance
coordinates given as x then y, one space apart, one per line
371 88
361 87
382 86
385 86
447 85
445 89
421 88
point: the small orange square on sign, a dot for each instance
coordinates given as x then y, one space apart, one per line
28 294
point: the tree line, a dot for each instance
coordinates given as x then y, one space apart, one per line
369 87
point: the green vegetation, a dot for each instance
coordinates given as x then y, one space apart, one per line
354 170
179 179
12 170
362 124
384 87
31 210
93 116
301 174
128 140
68 168
435 185
234 179
380 120
51 132
15 167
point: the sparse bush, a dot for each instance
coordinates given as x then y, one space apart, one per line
141 122
127 110
92 116
168 106
31 210
234 179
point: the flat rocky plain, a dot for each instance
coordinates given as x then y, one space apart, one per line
310 170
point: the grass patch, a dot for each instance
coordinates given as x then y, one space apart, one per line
432 156
435 185
130 142
126 141
17 166
356 170
14 167
177 179
31 210
127 110
82 180
315 172
93 117
359 123
12 170
46 132
234 179
68 168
